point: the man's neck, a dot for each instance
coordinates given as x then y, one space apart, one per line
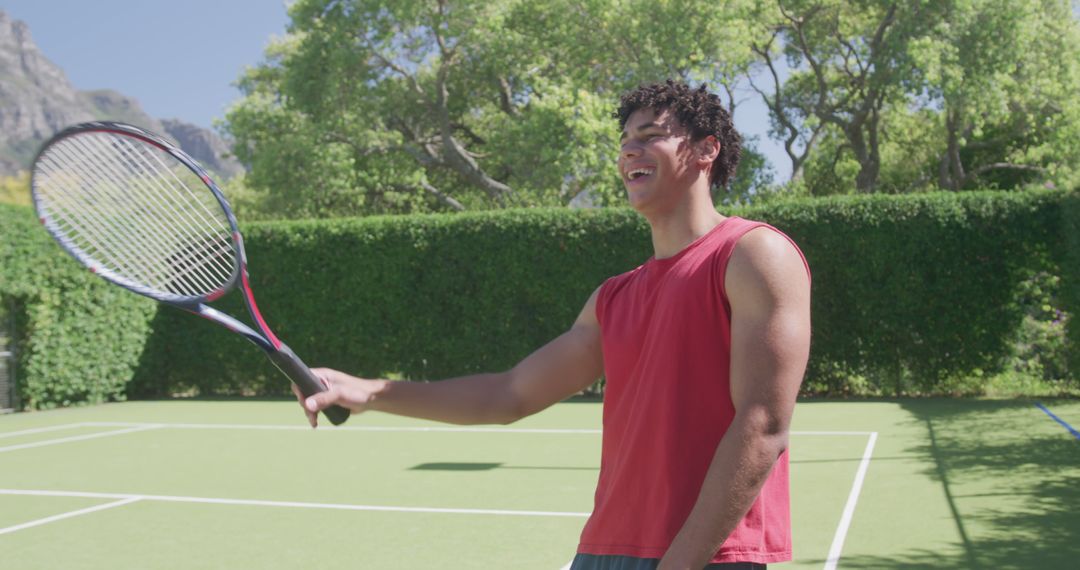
681 225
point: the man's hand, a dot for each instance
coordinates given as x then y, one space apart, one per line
350 392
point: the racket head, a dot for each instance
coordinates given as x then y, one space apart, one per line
137 211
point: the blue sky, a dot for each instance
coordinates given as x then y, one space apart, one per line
179 59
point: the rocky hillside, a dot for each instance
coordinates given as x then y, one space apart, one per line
203 145
37 100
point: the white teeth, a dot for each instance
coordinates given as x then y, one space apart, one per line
638 172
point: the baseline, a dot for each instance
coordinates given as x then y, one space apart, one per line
143 427
435 429
276 427
286 504
67 515
120 499
41 430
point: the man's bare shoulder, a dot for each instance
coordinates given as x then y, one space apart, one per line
588 317
764 258
766 242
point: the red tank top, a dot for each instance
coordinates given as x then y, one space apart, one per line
666 333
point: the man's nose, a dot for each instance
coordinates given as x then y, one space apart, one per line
630 149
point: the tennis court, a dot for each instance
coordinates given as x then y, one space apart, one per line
245 484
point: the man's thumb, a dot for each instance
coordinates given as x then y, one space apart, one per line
317 402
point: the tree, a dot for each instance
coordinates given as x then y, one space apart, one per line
1004 74
957 93
850 65
358 96
368 106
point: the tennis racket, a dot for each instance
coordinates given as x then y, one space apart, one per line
142 214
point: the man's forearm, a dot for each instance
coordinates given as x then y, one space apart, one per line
476 399
558 370
739 468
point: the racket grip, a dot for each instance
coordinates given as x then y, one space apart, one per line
291 365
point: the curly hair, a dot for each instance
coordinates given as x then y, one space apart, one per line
701 112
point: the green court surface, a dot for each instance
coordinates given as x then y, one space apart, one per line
245 484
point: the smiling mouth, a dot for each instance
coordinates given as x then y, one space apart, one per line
638 173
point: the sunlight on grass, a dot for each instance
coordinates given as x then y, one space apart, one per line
15 189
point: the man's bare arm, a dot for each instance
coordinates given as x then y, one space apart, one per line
559 369
769 291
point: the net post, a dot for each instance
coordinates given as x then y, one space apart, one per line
8 393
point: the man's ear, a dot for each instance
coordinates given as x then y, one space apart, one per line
707 149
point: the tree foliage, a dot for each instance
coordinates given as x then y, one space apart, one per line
898 96
368 106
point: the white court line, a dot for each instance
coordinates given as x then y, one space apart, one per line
831 562
849 508
288 504
436 429
41 430
302 427
68 515
143 427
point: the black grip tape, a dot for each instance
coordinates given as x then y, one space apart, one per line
291 365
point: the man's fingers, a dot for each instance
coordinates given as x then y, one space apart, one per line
320 401
341 389
312 416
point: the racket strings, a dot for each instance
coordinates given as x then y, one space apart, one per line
107 240
147 178
201 214
196 216
89 231
137 212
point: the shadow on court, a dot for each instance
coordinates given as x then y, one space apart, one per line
455 467
1011 477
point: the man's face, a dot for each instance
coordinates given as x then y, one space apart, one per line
655 159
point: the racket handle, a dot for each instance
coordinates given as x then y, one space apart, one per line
291 365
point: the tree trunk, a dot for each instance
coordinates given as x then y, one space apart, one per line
866 155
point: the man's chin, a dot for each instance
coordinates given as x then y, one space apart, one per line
639 199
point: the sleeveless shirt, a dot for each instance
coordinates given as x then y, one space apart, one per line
666 337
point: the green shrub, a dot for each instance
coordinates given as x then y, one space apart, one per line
79 339
912 294
912 291
1070 275
417 297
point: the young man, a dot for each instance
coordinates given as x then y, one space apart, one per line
703 347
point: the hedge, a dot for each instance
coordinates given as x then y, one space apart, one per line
914 291
909 292
415 297
78 339
1070 274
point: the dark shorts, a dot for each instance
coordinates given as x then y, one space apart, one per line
596 562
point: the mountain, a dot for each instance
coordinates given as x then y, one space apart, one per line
204 146
37 100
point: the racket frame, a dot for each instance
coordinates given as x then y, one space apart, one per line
280 354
